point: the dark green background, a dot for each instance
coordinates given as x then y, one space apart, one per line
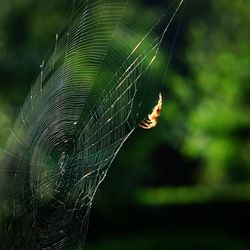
185 184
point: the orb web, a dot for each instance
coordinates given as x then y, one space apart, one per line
80 110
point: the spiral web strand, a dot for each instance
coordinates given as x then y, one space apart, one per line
80 111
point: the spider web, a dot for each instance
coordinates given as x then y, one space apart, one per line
81 109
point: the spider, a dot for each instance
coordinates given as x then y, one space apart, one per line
151 122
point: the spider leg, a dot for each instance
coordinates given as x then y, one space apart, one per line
153 124
145 124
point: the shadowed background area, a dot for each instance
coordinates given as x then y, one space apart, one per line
184 184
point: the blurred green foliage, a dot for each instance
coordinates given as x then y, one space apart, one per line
203 135
218 123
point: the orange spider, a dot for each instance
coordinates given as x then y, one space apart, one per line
151 122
